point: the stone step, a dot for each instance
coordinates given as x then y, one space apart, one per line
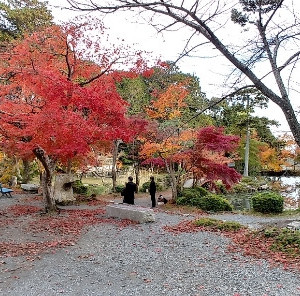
131 212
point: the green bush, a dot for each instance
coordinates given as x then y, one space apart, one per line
230 226
79 188
214 203
95 190
267 202
190 197
190 193
119 188
146 186
181 201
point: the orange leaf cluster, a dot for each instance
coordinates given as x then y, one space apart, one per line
169 104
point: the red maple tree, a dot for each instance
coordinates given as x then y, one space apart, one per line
209 159
59 97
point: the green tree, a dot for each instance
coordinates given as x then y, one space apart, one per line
18 17
237 113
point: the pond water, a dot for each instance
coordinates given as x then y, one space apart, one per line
289 188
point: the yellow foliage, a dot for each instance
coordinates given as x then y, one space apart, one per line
271 159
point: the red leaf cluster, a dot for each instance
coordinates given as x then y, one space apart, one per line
21 210
58 97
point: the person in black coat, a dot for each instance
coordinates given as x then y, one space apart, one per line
129 191
152 190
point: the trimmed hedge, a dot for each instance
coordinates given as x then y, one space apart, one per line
214 203
191 196
267 202
208 202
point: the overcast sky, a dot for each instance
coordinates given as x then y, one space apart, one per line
207 64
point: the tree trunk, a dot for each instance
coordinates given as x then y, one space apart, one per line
26 171
47 176
137 175
171 172
17 168
247 151
114 164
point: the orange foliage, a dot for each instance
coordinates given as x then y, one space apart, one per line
170 103
169 146
270 159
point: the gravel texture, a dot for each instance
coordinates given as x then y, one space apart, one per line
146 260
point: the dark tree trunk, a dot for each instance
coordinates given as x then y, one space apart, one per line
47 177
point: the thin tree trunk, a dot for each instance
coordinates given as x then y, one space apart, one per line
26 171
47 177
114 164
247 151
137 174
171 172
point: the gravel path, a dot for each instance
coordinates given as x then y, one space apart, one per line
145 260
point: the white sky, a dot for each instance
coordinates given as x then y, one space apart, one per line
211 71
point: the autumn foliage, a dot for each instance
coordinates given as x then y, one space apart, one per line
56 99
59 99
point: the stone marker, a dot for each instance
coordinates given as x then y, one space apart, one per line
14 181
63 190
30 187
131 212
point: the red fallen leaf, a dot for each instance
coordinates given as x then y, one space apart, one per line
245 241
64 229
147 280
21 210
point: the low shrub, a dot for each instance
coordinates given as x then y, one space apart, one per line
79 188
145 186
182 201
218 224
230 226
119 188
215 203
202 191
206 222
267 202
190 198
95 190
190 193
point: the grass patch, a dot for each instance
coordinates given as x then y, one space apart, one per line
218 224
284 240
